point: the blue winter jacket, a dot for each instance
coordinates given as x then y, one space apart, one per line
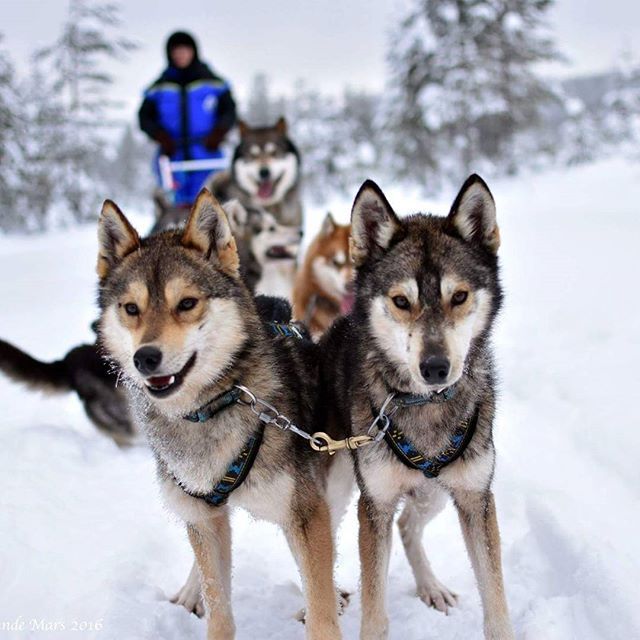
195 108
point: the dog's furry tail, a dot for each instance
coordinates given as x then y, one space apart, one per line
50 377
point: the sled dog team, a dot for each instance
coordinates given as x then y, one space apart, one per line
241 408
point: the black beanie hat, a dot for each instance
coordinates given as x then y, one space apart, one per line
181 38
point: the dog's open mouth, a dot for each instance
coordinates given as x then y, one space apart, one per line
266 188
346 304
281 252
162 386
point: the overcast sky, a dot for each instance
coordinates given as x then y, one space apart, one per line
329 43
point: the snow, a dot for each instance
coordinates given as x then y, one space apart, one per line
85 540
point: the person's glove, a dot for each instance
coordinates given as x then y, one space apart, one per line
167 143
214 139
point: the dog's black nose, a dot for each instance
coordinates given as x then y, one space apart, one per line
264 174
435 369
147 359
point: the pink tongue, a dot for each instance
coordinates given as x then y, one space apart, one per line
160 381
265 189
347 303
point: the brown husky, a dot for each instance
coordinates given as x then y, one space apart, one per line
324 284
185 332
412 365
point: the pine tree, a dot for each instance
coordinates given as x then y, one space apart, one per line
464 82
77 58
621 104
7 117
127 172
52 122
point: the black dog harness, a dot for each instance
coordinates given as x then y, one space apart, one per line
406 451
238 470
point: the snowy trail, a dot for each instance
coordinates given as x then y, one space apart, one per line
85 539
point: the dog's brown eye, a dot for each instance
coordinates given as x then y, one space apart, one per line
401 302
459 297
131 309
186 304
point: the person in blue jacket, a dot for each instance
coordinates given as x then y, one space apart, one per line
188 110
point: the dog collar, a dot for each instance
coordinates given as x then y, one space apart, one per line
416 399
406 451
226 399
234 476
211 408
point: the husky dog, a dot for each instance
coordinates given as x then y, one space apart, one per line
324 284
82 370
274 247
184 330
415 357
265 173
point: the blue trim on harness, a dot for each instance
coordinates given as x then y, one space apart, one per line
431 467
289 330
207 411
406 451
234 475
240 467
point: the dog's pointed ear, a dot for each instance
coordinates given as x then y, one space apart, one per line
243 128
473 214
116 238
328 225
281 126
208 231
236 215
373 224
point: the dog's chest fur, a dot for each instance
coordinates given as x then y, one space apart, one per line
198 455
357 390
277 278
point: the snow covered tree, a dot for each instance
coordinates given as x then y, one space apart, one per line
77 58
126 172
7 117
464 82
52 122
621 104
336 136
79 83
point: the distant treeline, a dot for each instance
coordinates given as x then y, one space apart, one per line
463 93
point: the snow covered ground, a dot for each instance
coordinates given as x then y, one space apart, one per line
85 541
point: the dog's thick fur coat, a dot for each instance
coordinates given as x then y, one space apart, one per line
427 291
180 294
323 287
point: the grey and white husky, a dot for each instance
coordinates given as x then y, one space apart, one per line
265 173
415 357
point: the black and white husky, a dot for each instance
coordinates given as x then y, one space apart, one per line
413 364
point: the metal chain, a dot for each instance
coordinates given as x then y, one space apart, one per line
319 441
268 414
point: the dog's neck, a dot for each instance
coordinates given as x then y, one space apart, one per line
428 425
196 453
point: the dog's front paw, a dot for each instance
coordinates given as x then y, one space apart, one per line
436 595
190 599
344 597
